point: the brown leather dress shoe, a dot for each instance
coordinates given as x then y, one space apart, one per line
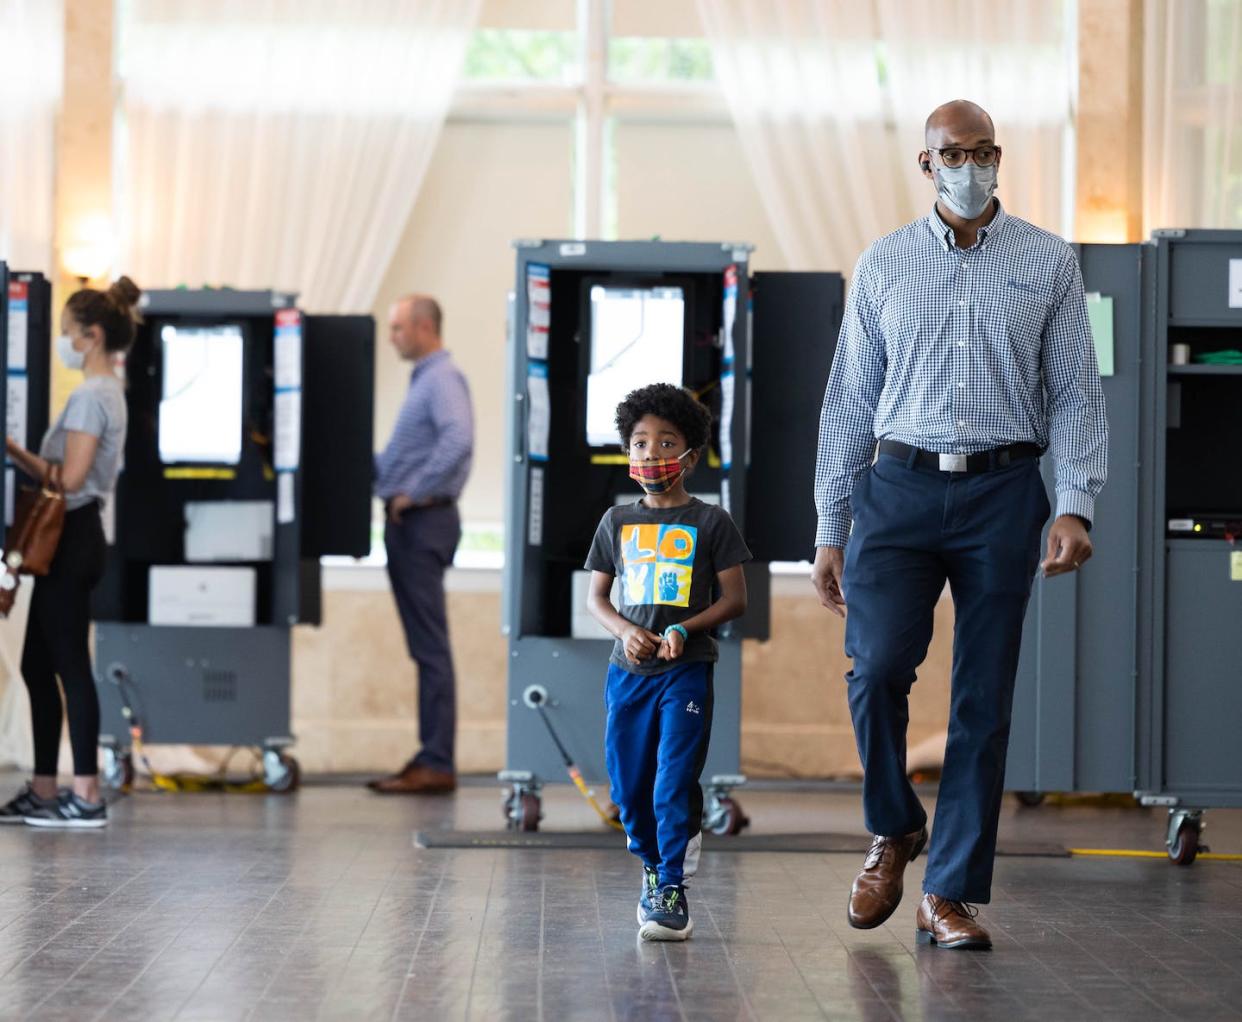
877 888
416 780
950 924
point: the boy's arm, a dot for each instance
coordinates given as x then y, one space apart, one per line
731 604
638 642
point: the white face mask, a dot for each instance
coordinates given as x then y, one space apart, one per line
967 189
69 355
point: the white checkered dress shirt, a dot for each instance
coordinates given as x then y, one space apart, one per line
959 351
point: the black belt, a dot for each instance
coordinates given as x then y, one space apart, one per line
427 505
984 461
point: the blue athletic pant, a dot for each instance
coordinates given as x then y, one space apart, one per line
655 745
915 529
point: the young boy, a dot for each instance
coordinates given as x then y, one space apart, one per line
671 552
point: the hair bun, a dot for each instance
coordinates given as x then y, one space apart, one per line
125 293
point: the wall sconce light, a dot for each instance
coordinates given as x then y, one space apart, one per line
92 251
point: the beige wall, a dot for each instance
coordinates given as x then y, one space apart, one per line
488 183
689 182
355 692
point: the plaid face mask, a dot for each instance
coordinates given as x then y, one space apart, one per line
657 475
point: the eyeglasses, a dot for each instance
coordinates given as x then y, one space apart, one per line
955 156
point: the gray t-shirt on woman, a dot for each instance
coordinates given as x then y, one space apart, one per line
96 407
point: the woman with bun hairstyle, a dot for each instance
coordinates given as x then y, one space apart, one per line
87 441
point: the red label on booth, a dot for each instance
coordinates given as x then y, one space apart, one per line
18 289
288 317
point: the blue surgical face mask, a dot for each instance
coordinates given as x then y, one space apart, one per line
967 189
69 355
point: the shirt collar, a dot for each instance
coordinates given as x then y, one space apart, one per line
427 360
944 233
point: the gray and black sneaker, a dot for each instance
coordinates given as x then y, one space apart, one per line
650 895
15 810
68 811
669 918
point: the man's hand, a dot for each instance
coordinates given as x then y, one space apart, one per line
1068 546
638 643
397 506
826 577
672 646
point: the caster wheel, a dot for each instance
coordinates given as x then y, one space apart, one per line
118 771
1186 845
731 820
289 780
1030 799
529 813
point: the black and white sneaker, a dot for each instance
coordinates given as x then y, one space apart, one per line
669 918
15 810
650 894
68 811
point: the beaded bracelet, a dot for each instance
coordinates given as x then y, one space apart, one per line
677 628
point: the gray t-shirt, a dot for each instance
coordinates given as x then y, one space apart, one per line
667 560
96 407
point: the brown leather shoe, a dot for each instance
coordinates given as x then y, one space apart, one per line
416 780
950 924
877 888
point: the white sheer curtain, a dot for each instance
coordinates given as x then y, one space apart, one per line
280 143
829 98
1192 114
31 48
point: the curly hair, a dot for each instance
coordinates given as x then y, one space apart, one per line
115 311
673 404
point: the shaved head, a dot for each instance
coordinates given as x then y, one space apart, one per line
414 325
423 309
959 121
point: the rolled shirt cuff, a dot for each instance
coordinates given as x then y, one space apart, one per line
1075 502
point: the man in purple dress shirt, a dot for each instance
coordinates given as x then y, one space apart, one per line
419 476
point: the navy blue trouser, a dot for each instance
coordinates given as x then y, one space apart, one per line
655 745
420 547
915 529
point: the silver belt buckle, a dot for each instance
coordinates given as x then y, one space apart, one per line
952 463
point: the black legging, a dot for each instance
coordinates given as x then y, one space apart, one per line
57 644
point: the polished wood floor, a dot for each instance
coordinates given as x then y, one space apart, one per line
318 906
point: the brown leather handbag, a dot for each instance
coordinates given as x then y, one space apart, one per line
38 521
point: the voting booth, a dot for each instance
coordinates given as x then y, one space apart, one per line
248 458
25 322
589 322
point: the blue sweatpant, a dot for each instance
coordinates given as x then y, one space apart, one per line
655 745
915 529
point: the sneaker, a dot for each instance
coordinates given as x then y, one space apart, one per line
669 918
68 811
15 810
650 895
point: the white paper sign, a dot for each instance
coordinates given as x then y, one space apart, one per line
288 357
538 412
1235 283
288 430
19 318
15 410
10 482
534 531
726 420
284 498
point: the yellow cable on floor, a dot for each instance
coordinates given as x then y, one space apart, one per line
1133 853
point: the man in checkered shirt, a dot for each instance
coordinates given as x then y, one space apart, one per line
964 356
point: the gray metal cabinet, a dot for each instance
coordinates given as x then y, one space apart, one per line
1074 713
1190 688
1203 674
